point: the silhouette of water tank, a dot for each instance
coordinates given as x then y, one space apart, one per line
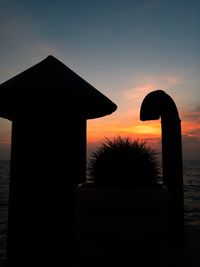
48 105
155 105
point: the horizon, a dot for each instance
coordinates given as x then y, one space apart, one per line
93 145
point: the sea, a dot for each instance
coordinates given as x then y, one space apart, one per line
191 176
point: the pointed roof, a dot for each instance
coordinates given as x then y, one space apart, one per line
50 85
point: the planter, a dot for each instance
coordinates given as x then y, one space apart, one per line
113 220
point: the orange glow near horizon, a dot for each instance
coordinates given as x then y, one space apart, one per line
126 124
191 124
113 126
5 133
98 129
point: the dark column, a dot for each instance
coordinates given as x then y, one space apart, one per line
48 105
47 160
173 171
155 105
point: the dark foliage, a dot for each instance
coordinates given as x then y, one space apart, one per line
122 163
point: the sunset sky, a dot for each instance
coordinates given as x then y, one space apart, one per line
125 49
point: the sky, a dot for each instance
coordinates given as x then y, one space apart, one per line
125 49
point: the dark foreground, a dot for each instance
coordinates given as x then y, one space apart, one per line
185 253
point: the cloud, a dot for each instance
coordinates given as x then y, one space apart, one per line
138 92
192 116
147 83
191 122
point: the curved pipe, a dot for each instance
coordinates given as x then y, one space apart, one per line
155 105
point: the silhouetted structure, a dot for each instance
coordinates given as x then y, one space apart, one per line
48 105
155 105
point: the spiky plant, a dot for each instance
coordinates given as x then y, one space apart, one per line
123 163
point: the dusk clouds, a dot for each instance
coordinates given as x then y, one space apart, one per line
125 49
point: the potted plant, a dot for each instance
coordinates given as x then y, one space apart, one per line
124 164
124 197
